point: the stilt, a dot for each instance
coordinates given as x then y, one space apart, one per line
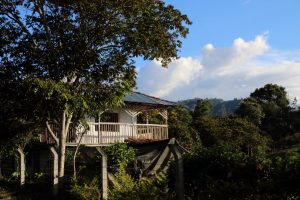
55 170
104 193
179 179
21 166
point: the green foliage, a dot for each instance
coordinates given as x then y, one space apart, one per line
202 109
180 126
269 108
152 116
222 172
85 191
71 60
220 107
238 133
154 187
275 105
271 93
17 116
251 109
119 155
77 58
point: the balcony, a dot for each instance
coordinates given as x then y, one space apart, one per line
104 133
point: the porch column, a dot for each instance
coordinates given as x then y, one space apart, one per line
55 170
104 192
21 166
132 114
100 138
179 176
164 114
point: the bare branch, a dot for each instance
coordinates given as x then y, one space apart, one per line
68 121
51 132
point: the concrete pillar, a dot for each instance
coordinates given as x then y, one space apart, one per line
21 166
179 179
55 170
104 177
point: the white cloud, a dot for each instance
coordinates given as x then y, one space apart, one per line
226 73
160 81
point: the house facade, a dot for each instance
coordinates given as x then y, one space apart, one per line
125 124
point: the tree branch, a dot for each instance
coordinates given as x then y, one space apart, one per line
68 121
51 132
17 20
74 157
41 11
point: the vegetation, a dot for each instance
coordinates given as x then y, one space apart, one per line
241 156
119 156
63 60
180 126
155 187
220 107
245 156
221 172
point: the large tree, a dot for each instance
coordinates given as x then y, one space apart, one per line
250 109
274 102
73 58
203 108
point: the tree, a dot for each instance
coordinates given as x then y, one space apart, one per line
180 126
74 58
237 133
202 109
271 93
275 105
251 109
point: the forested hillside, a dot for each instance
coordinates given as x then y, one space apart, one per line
220 107
253 154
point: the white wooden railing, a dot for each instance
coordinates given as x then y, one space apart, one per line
108 133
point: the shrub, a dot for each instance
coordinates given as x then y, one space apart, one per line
119 155
143 188
85 191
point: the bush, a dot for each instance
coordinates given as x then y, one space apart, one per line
143 188
85 191
221 172
119 155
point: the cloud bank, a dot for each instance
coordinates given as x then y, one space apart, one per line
230 72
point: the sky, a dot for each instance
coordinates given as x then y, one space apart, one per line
233 47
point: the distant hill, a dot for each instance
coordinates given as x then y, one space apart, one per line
220 107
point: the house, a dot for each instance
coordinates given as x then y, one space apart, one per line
123 124
128 124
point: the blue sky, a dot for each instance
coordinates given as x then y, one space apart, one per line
234 46
220 22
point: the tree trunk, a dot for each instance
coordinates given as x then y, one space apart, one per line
75 154
65 123
61 158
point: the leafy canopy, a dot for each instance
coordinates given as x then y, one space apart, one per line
78 56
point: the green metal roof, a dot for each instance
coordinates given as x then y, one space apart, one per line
140 98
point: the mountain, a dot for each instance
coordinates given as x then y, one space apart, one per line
220 107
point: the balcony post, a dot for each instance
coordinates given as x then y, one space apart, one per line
55 170
21 166
179 169
104 192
